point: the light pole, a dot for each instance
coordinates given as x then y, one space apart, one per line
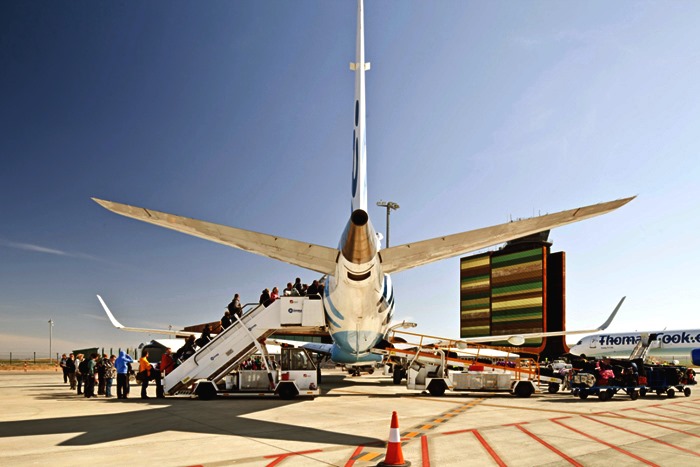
50 339
389 205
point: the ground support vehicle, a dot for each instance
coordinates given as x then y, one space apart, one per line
295 376
428 377
664 379
437 369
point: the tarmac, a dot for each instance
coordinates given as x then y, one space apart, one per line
42 421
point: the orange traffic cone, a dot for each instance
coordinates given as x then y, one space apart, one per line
394 455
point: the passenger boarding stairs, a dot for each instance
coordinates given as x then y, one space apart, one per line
240 340
641 350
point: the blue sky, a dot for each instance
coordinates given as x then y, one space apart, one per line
241 113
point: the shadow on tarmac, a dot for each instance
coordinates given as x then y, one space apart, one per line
217 417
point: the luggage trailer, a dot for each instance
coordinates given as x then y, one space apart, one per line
660 379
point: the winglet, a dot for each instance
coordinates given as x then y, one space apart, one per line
111 317
612 316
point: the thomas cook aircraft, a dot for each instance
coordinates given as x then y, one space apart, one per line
358 298
682 346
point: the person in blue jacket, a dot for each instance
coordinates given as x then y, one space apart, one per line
122 366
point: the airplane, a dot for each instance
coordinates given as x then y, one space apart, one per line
682 346
358 298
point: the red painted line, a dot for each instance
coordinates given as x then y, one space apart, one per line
488 448
351 461
685 407
280 457
547 445
643 436
468 430
666 416
424 451
663 426
674 410
618 449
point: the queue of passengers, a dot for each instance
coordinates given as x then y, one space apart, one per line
84 373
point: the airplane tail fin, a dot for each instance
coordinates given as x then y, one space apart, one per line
359 144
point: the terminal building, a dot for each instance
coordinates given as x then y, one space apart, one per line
517 289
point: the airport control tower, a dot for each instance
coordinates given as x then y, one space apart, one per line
517 289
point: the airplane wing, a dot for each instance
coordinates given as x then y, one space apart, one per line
119 325
306 255
519 339
407 256
324 349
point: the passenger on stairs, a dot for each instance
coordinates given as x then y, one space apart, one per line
265 297
235 308
187 350
205 337
274 295
298 286
226 320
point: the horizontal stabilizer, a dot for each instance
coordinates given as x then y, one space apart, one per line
407 256
306 255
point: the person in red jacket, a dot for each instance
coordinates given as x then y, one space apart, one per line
167 363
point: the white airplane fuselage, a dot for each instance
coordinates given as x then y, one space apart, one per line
682 345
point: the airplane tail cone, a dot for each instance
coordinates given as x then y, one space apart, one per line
394 455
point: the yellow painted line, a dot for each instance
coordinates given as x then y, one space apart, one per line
369 456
